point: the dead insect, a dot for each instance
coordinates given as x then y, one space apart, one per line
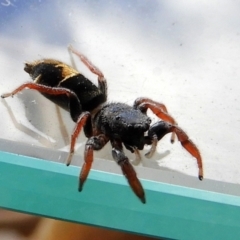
102 122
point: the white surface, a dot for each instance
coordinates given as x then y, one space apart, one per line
184 54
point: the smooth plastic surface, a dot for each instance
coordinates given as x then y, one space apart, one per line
50 189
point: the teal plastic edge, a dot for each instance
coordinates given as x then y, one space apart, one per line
50 189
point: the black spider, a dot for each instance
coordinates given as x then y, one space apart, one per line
102 122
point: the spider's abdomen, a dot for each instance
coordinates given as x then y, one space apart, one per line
88 93
54 73
49 72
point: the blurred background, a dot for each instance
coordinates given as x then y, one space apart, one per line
184 54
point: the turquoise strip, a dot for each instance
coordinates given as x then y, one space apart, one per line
50 189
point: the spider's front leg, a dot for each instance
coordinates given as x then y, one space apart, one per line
128 170
93 143
159 109
158 130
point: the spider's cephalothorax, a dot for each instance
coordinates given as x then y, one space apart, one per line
121 122
117 123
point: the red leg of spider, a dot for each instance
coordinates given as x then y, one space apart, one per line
40 88
161 128
88 159
93 143
75 108
190 147
133 181
102 84
129 173
79 125
87 62
157 108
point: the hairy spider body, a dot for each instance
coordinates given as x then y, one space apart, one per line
120 121
102 122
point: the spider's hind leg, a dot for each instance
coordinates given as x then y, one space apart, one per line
102 83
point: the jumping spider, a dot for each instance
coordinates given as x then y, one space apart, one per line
102 122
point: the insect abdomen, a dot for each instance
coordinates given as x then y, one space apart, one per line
88 93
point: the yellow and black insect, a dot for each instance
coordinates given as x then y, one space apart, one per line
102 122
